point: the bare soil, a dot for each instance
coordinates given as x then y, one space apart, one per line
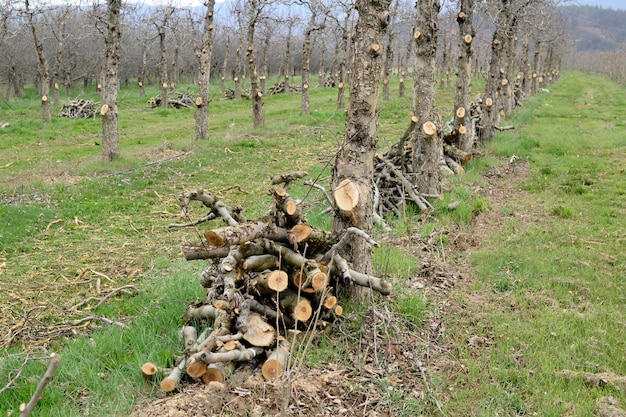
389 364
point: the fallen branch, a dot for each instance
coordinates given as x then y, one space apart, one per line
27 409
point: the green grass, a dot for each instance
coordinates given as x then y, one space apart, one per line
551 284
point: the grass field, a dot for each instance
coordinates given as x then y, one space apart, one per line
546 293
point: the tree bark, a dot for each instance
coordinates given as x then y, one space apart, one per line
43 63
110 133
465 138
388 62
306 59
355 158
426 137
204 74
258 118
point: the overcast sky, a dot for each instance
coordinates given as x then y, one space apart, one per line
607 4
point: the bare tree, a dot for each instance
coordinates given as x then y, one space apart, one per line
291 22
59 34
161 27
312 26
342 50
354 165
204 54
110 133
426 138
44 66
388 61
465 136
255 10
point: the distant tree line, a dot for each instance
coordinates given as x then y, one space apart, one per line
158 40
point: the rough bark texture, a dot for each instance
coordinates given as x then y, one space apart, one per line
426 134
43 63
163 64
306 63
355 158
204 74
465 138
255 91
110 133
388 62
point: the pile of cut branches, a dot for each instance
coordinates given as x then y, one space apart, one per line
78 109
268 280
281 87
178 101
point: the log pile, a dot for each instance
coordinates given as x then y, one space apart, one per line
78 109
268 280
178 101
280 87
229 94
393 170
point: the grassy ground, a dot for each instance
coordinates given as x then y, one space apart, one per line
547 292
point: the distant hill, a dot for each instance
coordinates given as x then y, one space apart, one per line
596 29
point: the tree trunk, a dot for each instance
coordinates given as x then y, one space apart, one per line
237 75
144 69
354 164
287 58
204 74
306 60
494 75
225 65
427 149
537 67
525 68
265 58
306 63
341 85
403 67
43 63
388 54
163 67
255 91
110 134
465 138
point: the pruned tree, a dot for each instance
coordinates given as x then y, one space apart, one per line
44 66
464 18
389 46
291 22
255 10
60 34
508 16
161 25
426 134
354 164
204 54
342 50
313 25
110 133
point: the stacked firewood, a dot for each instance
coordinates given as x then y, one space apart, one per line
78 109
281 87
178 100
394 177
269 279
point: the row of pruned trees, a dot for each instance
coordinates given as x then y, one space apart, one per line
525 51
161 41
